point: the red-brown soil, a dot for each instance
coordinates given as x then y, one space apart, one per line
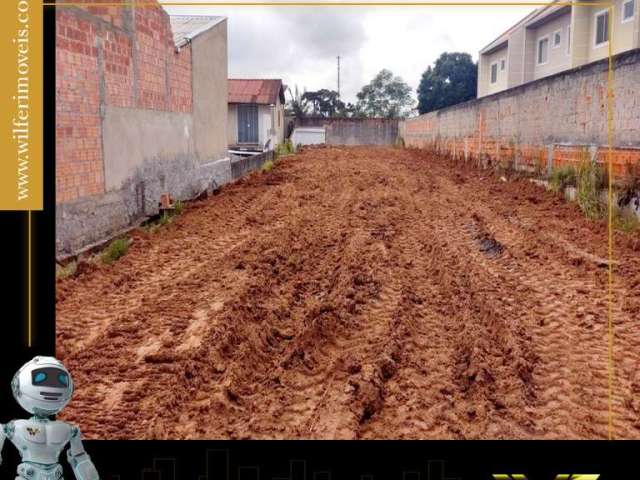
359 293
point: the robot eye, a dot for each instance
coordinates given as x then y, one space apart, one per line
63 379
39 377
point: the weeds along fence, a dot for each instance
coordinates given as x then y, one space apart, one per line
583 178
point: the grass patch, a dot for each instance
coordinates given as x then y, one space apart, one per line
65 271
116 250
590 179
154 225
286 148
178 208
562 177
267 166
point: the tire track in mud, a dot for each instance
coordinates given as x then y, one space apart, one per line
356 293
570 312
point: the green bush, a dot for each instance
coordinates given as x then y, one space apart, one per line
178 208
562 177
289 148
278 151
116 249
285 148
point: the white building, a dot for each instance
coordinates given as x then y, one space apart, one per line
256 114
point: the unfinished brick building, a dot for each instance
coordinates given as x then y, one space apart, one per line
141 109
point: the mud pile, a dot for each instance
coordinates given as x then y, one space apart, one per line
358 293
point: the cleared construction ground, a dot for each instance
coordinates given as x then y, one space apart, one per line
359 293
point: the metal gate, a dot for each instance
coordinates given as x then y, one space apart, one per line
247 123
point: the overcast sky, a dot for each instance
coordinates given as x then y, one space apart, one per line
300 44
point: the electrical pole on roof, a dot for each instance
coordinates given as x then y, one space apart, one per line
338 75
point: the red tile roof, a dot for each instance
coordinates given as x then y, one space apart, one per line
262 91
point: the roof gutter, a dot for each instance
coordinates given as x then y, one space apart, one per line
189 38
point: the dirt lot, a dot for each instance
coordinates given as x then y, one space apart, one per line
359 293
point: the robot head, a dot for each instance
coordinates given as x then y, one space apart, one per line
42 386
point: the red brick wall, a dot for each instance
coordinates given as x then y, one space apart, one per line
180 88
78 140
117 51
480 146
102 57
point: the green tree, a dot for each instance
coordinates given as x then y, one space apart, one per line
452 80
297 106
385 96
325 102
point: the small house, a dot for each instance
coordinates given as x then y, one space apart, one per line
256 114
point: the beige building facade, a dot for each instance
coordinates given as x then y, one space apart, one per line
556 38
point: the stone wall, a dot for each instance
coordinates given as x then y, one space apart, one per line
543 124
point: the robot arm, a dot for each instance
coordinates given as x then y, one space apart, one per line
2 437
6 431
81 464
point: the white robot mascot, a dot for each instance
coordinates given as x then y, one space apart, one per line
43 387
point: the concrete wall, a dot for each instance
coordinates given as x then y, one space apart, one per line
117 207
355 131
210 73
133 136
134 118
241 166
544 123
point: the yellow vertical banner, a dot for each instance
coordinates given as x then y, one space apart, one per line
21 87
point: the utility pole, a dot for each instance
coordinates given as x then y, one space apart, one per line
338 75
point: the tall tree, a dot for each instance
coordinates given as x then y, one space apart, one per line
325 102
452 80
385 96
